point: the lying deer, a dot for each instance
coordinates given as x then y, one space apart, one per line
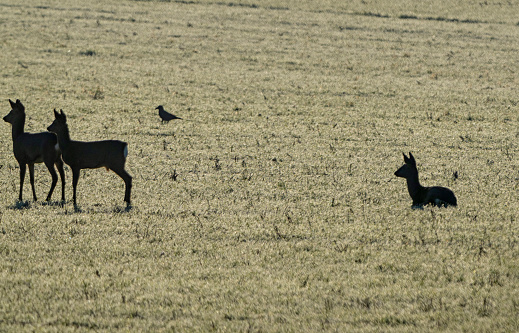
436 195
30 148
110 154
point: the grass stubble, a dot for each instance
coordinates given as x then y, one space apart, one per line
273 205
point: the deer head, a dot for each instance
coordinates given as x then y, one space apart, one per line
409 168
17 112
59 122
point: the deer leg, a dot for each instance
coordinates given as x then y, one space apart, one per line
75 179
128 183
59 165
31 177
50 166
23 167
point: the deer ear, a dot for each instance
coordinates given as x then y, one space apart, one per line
20 105
405 158
56 114
12 103
411 159
63 114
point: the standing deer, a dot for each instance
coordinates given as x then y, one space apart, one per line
110 154
436 195
30 148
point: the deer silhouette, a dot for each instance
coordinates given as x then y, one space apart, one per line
436 195
110 154
30 148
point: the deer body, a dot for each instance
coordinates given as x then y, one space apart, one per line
31 148
436 195
110 154
95 154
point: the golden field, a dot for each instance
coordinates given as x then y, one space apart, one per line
272 206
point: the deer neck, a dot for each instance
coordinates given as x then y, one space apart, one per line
18 128
414 187
63 138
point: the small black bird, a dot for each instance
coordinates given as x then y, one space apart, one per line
164 115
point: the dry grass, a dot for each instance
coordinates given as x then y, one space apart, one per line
273 205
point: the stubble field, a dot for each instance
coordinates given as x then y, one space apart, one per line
272 207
